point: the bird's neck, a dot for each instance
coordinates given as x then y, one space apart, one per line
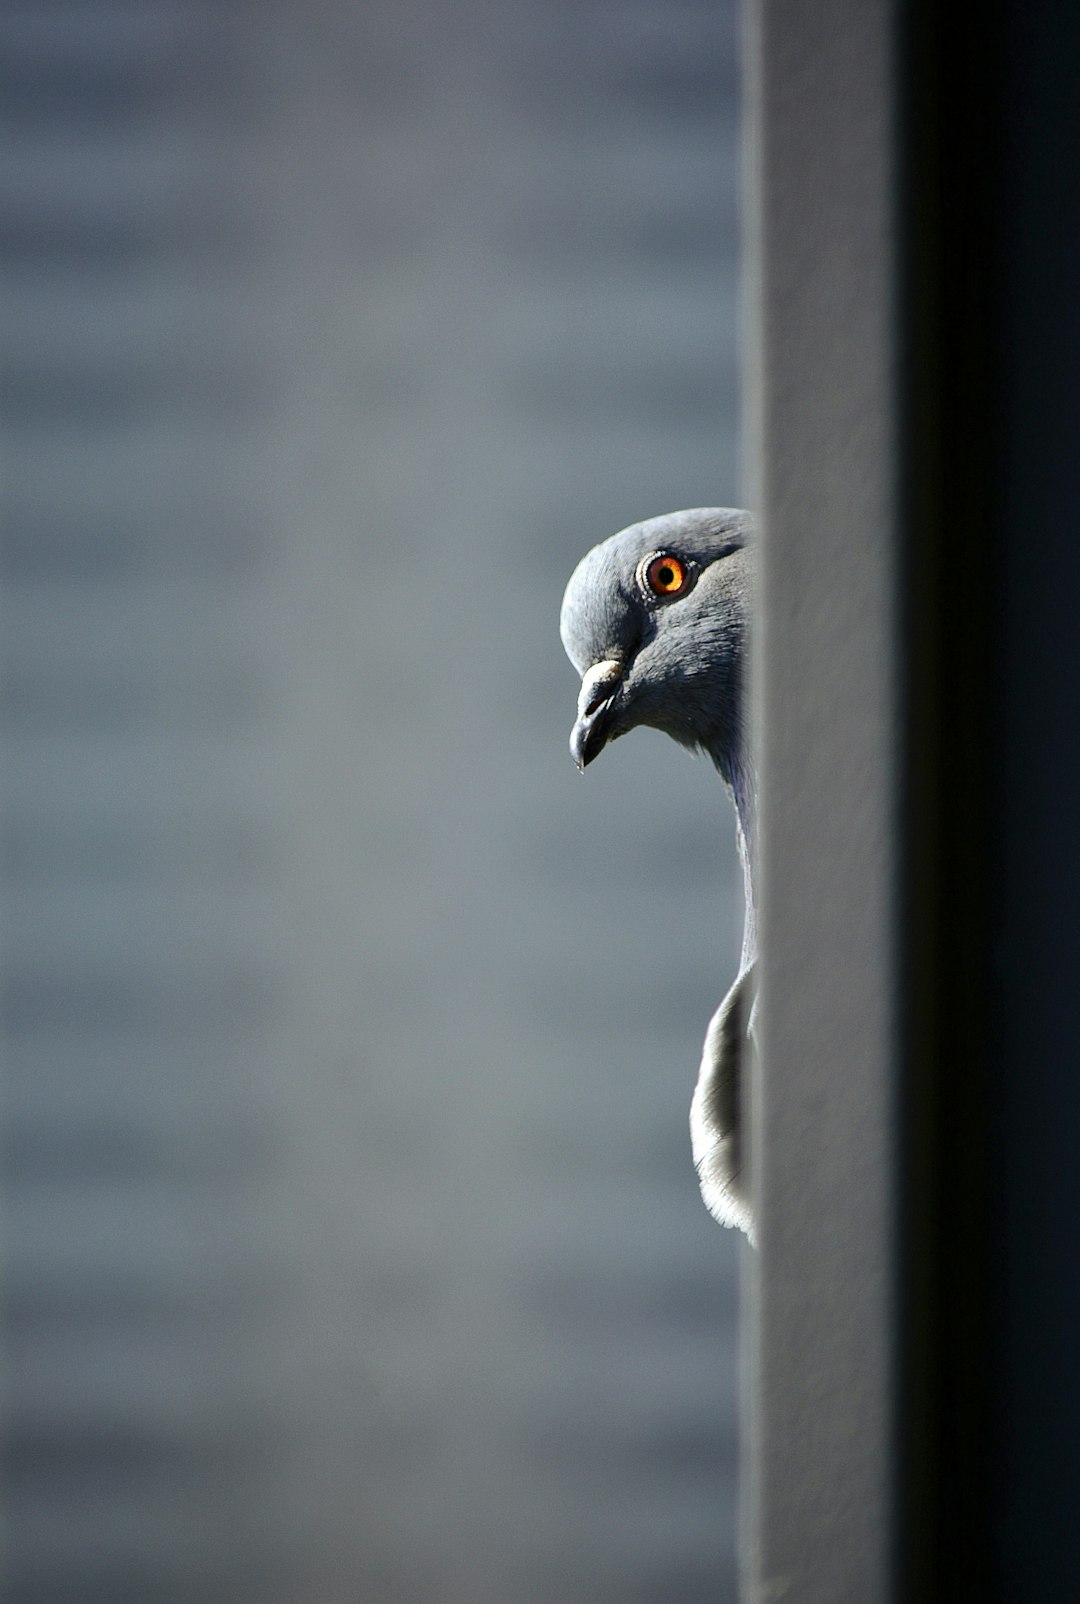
737 771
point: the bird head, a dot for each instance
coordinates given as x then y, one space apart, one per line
655 621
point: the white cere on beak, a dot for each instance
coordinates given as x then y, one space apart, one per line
597 684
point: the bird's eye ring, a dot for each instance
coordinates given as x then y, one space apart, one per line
664 575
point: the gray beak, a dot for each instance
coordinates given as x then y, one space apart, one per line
592 730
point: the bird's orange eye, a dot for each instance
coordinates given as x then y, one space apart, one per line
665 575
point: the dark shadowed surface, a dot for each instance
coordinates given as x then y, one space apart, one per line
353 1251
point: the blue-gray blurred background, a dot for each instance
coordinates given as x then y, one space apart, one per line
351 1248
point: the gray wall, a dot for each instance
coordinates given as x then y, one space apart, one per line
352 1252
828 437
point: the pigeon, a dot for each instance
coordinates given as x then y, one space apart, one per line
656 622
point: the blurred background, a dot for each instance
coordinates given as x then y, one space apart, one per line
351 1247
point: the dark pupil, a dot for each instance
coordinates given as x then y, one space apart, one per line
665 576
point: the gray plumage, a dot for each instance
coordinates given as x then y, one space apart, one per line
656 621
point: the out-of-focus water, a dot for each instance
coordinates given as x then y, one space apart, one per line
352 1249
